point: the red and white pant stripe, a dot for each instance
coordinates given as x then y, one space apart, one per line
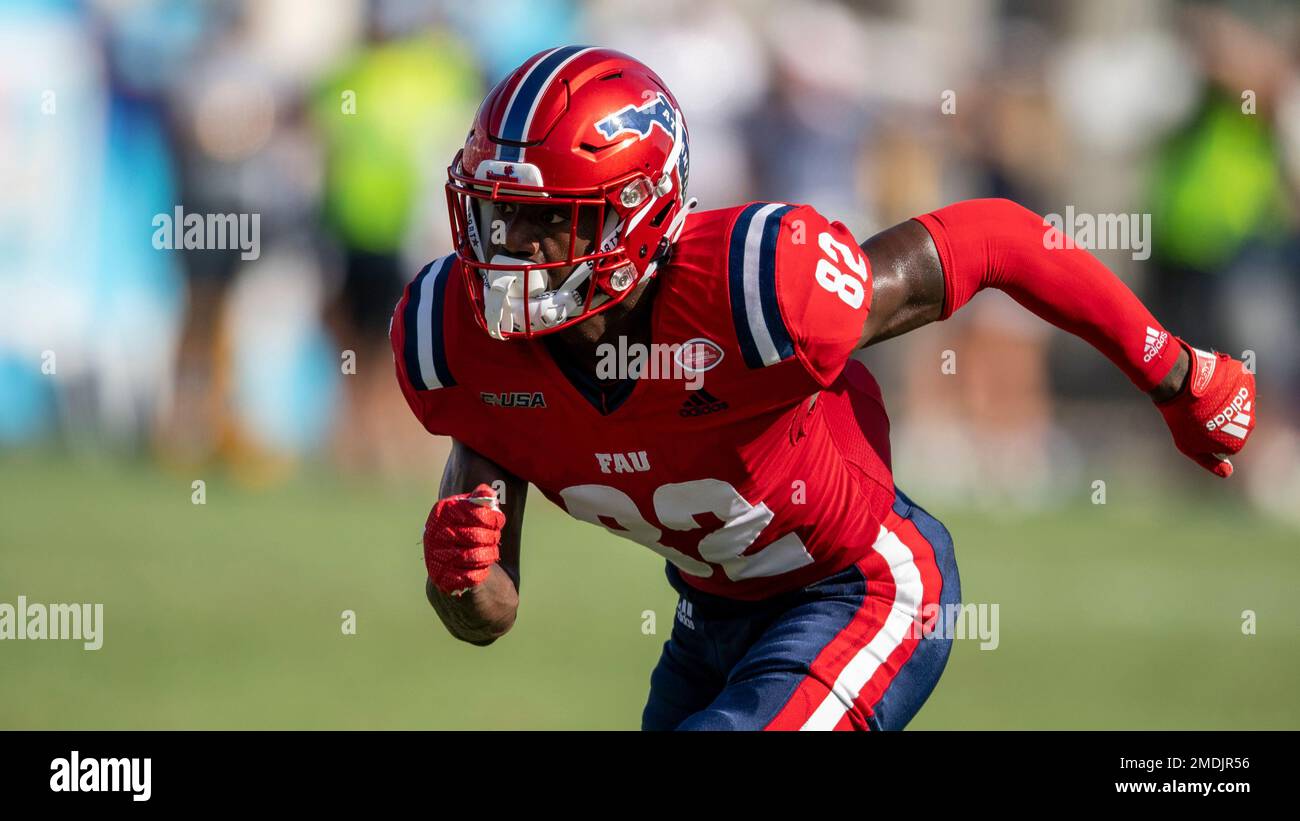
854 669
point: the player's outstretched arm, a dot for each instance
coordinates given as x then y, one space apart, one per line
906 282
471 547
927 268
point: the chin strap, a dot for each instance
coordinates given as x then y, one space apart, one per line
679 221
671 236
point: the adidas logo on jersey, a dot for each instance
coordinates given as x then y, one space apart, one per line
1155 343
686 614
701 403
1233 420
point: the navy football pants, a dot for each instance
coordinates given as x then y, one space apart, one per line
857 650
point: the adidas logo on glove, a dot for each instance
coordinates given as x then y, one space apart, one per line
1233 420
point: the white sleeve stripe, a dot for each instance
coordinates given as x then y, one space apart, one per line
424 325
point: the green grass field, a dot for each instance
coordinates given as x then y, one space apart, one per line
227 615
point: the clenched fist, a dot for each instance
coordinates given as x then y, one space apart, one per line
462 539
1214 413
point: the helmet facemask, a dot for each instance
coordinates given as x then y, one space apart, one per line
518 297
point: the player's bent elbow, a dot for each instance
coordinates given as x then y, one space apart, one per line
479 633
471 621
489 632
995 222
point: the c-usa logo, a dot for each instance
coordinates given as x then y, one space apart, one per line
640 120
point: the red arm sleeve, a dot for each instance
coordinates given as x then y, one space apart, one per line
995 243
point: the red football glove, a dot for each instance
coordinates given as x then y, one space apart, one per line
462 539
1214 413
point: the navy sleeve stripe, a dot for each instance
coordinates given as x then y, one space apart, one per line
425 353
776 327
736 283
751 275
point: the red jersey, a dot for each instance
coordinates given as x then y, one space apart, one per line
759 464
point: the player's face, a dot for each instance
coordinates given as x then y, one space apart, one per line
540 233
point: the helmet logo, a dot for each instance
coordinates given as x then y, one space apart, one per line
640 120
507 174
498 171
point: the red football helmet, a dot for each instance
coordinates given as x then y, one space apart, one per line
585 129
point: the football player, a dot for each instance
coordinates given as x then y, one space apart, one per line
759 468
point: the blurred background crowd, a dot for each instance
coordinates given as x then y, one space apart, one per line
335 122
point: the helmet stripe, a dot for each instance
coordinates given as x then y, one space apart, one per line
528 93
519 84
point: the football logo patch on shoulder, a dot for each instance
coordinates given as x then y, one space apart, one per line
698 355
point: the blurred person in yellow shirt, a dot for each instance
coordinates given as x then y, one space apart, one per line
382 114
